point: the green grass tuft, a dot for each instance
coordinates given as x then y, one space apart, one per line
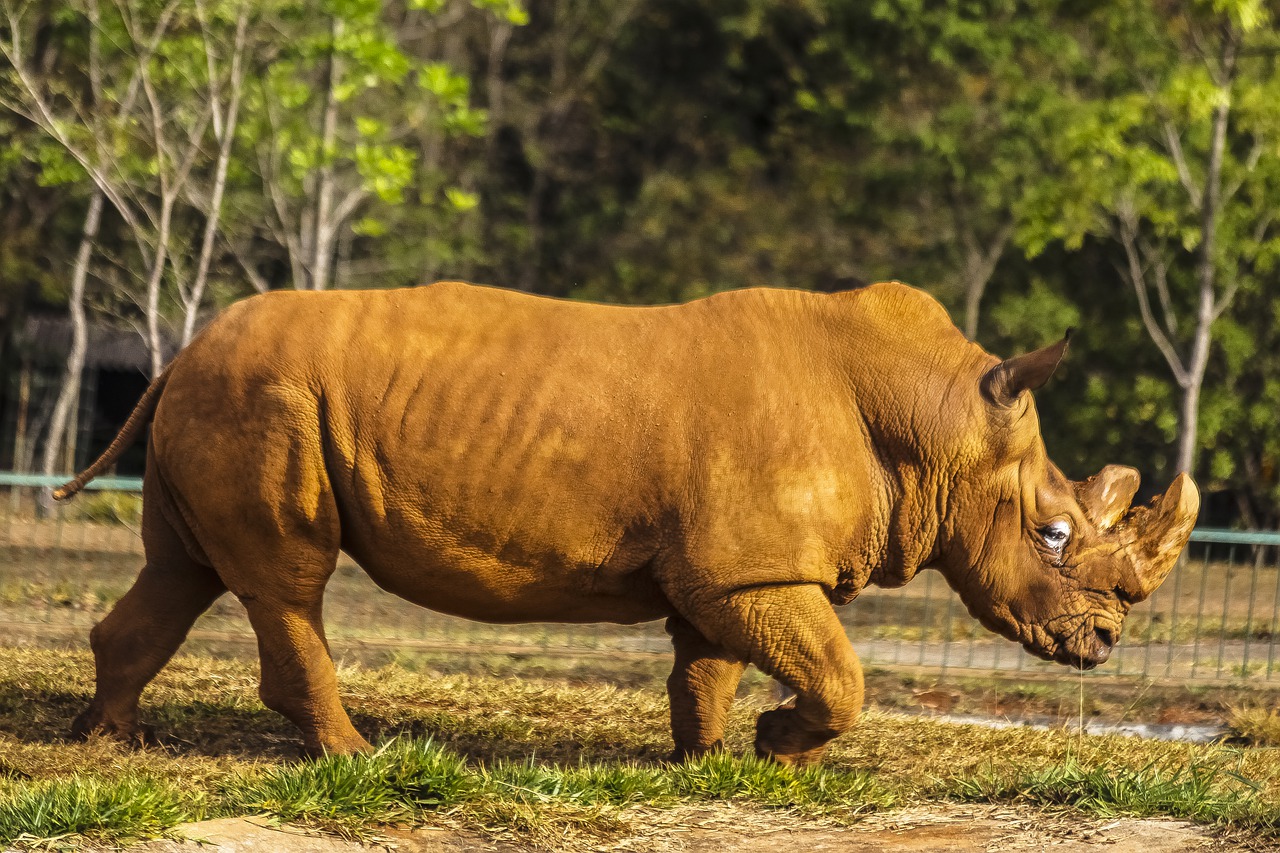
586 784
347 793
1256 726
130 807
727 777
1201 793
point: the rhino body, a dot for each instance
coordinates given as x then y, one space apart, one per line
737 465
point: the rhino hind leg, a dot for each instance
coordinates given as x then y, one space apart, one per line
792 633
298 676
143 630
702 684
281 581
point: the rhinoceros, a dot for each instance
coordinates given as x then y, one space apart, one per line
739 465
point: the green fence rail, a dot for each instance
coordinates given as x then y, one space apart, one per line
1217 617
40 481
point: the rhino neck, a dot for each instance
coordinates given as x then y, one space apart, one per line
913 379
910 540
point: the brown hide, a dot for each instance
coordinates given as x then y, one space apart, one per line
736 464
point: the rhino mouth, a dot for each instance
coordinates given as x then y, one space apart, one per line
1086 648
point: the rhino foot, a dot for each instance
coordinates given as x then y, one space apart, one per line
93 722
780 735
680 754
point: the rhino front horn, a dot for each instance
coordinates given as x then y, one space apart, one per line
1163 531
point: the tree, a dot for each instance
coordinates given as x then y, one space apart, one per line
340 116
958 134
1167 146
136 121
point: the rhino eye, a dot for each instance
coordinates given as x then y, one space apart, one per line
1056 535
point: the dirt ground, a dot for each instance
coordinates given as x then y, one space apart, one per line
718 829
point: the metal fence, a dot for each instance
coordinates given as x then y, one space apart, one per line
61 567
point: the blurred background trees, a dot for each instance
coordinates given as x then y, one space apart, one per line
1034 164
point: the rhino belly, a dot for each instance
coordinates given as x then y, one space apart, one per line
452 574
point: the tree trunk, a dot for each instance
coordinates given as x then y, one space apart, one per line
154 282
1187 427
1206 275
322 240
70 389
20 455
979 264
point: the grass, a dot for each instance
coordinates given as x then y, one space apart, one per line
1256 726
113 810
548 762
108 507
347 794
1203 793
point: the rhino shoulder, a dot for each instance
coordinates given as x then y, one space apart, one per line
901 304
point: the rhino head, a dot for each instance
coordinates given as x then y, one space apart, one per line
1052 564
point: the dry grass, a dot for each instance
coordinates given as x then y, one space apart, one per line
553 761
1256 726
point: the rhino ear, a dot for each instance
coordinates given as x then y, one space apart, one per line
1002 384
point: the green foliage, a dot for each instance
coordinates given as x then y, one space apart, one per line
665 150
1035 316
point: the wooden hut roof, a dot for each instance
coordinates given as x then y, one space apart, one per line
110 348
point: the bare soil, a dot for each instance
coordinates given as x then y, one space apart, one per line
944 829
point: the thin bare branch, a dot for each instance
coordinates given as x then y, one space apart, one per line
226 137
1160 269
1250 164
1174 144
1127 234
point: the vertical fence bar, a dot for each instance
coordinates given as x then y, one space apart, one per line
877 612
901 627
1152 610
1117 660
1226 603
57 537
968 663
11 543
1179 569
946 635
924 616
1204 581
1248 619
1275 615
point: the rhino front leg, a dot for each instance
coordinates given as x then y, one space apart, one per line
701 687
791 633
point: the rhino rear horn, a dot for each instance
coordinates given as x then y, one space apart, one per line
1163 531
1106 496
1003 383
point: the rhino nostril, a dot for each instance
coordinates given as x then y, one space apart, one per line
1105 637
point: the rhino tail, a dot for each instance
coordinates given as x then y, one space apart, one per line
133 427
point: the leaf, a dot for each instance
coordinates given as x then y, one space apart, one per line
461 199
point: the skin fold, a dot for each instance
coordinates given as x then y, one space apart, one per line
738 465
